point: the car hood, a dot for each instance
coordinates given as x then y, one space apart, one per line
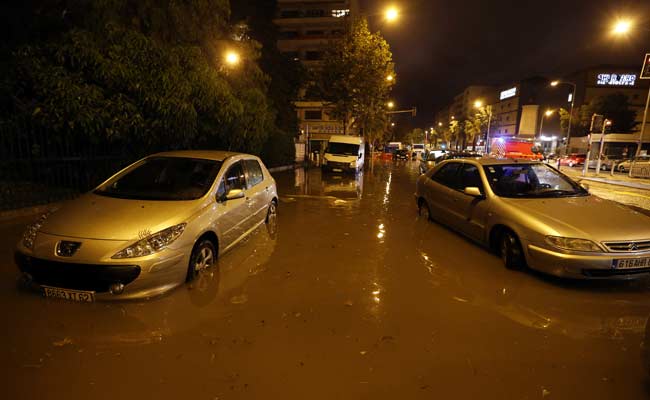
99 217
588 217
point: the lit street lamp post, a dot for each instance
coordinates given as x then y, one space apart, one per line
547 113
573 99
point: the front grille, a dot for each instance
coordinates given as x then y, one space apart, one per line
93 277
341 165
601 273
628 247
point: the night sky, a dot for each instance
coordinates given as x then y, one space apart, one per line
442 46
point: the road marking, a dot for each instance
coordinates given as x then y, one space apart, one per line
631 194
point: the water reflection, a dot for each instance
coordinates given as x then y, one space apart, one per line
339 190
576 309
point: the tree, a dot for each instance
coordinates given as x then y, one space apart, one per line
417 135
616 108
353 79
140 75
454 135
477 125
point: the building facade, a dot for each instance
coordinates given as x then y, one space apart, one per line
600 81
306 28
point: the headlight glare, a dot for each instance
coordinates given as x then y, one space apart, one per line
32 229
353 164
573 244
152 243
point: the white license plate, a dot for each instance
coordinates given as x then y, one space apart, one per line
629 263
69 294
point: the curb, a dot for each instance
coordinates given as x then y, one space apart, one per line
285 168
618 183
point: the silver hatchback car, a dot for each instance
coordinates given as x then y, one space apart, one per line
532 215
148 228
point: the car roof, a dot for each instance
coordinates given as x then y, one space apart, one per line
216 155
494 161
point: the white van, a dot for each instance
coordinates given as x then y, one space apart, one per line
344 154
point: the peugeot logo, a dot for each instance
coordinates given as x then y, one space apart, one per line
633 247
67 249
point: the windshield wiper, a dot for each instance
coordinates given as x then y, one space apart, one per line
557 193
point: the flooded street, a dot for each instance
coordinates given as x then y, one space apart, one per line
351 296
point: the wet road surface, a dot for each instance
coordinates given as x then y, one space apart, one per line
353 296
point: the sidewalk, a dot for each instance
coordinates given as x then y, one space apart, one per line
605 177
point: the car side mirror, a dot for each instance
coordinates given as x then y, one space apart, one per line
473 191
232 195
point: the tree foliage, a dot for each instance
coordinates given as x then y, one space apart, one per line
417 135
353 80
614 107
145 74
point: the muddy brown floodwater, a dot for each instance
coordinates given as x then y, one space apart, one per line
352 297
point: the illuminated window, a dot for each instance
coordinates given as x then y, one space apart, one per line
340 13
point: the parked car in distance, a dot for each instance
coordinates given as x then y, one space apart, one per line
150 227
432 160
624 165
573 159
532 215
402 154
606 163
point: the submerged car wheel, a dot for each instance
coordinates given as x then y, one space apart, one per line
204 256
511 252
272 213
423 210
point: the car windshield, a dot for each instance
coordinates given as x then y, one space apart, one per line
347 149
530 180
164 178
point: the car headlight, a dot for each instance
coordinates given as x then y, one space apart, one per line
32 229
353 164
152 243
572 244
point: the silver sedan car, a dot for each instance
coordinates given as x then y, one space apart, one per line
532 215
149 228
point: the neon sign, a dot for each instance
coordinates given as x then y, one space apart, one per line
616 79
506 94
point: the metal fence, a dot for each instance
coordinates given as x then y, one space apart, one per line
38 168
640 169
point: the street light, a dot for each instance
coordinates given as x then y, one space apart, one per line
439 123
232 58
390 78
478 104
573 99
390 104
392 13
622 27
547 114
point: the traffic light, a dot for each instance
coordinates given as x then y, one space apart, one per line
645 70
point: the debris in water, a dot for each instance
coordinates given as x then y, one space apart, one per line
64 342
545 392
349 303
363 353
241 299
